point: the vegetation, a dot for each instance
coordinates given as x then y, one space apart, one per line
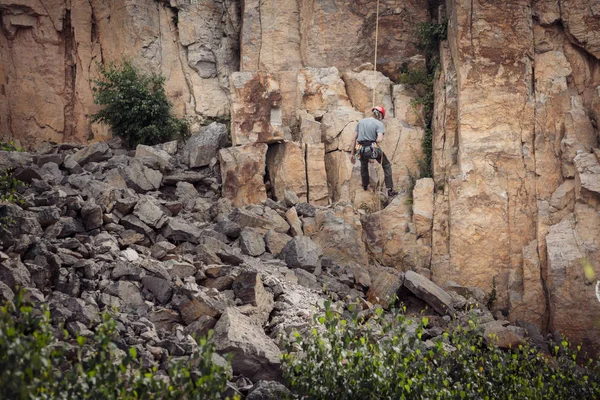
430 34
9 185
9 146
382 359
35 365
136 106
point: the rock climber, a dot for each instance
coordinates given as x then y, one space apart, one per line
369 133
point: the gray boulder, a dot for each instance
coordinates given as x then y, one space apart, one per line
141 178
252 242
302 252
201 147
429 292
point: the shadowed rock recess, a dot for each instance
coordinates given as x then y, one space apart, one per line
251 224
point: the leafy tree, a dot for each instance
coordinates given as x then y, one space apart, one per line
136 106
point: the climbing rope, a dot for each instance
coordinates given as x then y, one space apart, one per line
381 172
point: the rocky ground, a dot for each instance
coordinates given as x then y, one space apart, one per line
146 233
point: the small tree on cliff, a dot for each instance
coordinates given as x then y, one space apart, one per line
136 106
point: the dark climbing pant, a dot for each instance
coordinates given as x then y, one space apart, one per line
387 169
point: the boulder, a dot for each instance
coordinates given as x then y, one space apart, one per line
242 172
266 390
128 292
179 230
505 337
257 303
264 222
256 114
275 241
302 252
141 178
253 354
200 305
91 213
385 283
93 153
588 171
160 288
149 212
287 170
338 127
14 274
251 242
204 145
429 292
154 158
295 223
405 108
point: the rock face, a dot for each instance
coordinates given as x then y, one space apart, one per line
515 197
287 170
242 171
52 48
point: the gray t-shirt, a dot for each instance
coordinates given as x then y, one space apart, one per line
368 128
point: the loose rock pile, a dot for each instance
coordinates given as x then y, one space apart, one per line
145 233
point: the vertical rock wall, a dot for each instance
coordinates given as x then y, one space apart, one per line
515 138
49 50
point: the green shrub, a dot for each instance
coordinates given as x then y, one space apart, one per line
136 106
9 187
382 359
9 146
35 365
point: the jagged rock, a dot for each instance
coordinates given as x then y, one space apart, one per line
180 269
179 230
154 158
186 176
423 207
242 171
141 178
506 337
164 318
83 312
228 228
266 390
91 214
268 220
14 274
134 223
46 215
302 252
359 86
257 303
160 288
203 146
588 169
93 153
200 305
339 238
405 108
287 170
6 294
385 283
128 292
160 249
253 353
252 242
149 212
321 90
126 269
256 108
295 223
275 242
429 292
200 327
338 127
310 130
316 174
69 226
468 292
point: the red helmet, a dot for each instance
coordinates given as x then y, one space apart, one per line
380 109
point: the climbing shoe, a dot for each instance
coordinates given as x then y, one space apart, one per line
365 188
392 193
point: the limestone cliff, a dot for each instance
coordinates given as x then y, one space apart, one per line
514 202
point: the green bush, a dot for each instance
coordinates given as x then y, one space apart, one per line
9 146
382 359
35 365
9 187
136 106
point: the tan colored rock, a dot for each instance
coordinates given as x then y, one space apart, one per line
385 283
338 128
579 136
310 130
547 11
505 337
341 34
405 107
321 90
388 237
316 174
588 172
402 145
295 223
572 245
359 86
580 18
287 170
423 207
242 171
256 108
344 178
340 237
